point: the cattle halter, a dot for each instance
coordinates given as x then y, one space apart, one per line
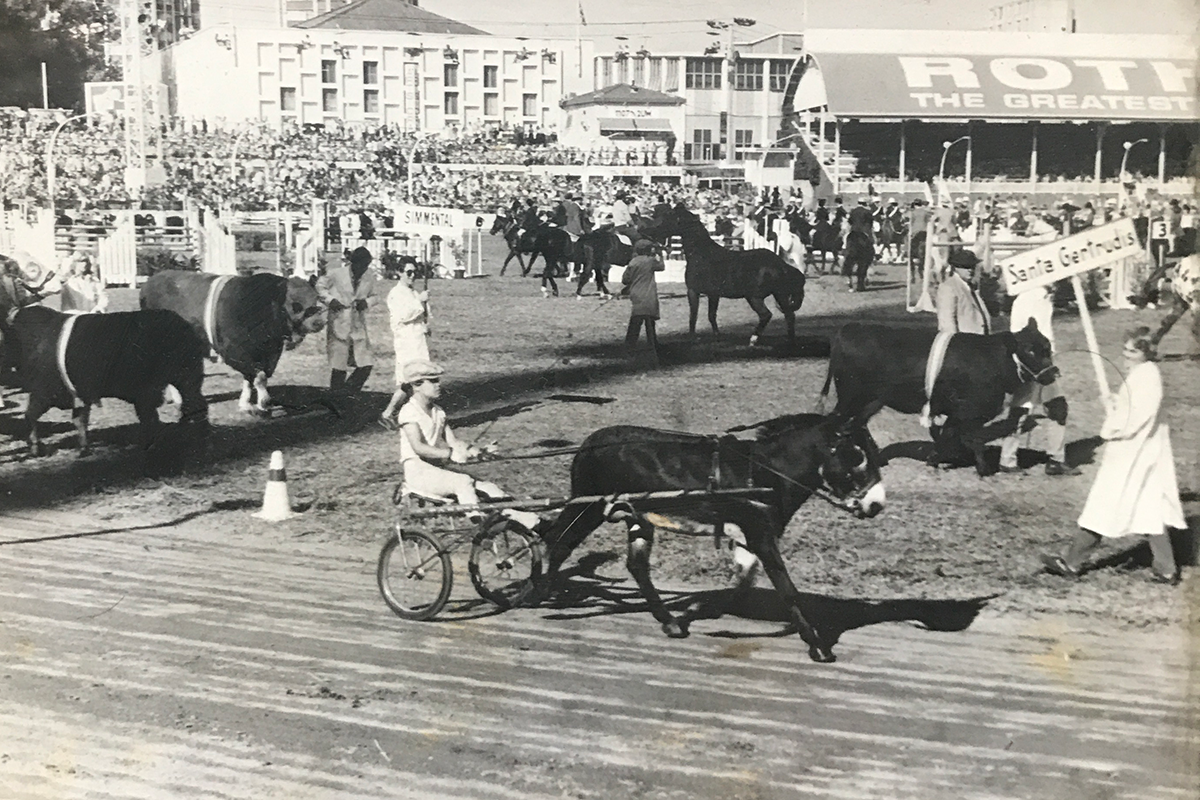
1022 368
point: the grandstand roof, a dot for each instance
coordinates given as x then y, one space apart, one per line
623 94
1001 75
387 15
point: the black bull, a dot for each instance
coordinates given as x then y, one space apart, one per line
792 458
885 365
132 356
254 318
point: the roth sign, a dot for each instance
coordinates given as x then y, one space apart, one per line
1095 247
984 87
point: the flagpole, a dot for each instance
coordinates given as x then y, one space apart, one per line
579 40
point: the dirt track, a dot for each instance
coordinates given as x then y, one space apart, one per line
197 661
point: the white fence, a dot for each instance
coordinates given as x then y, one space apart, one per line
218 249
116 257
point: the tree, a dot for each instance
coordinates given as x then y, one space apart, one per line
69 35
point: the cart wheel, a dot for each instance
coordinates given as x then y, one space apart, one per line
415 575
506 561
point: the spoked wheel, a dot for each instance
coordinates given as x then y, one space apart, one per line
414 574
506 561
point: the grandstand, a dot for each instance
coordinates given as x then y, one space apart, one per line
1044 112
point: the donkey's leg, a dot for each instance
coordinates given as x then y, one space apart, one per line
641 540
764 316
763 543
573 525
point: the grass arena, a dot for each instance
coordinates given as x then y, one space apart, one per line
509 352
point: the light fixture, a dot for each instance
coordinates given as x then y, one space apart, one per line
523 54
450 54
643 53
549 55
341 49
224 40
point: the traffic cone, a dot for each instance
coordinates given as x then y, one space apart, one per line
276 506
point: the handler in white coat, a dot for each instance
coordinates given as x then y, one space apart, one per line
346 290
408 310
1135 493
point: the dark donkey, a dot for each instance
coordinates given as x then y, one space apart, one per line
790 459
716 272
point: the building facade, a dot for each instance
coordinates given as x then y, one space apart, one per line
418 82
733 100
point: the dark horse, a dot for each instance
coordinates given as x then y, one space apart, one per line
826 238
790 459
603 247
508 227
857 260
716 272
890 239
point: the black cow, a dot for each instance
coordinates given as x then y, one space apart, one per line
792 458
873 364
253 318
132 356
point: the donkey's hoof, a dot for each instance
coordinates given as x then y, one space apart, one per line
753 340
676 629
821 655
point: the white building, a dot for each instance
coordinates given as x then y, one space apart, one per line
372 62
729 111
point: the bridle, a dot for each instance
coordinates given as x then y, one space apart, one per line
1024 370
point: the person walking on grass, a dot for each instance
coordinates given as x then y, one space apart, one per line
1135 492
346 289
408 310
639 283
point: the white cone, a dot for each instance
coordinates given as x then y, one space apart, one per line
276 505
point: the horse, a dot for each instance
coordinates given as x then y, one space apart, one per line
890 238
857 259
716 272
512 237
790 459
826 239
604 247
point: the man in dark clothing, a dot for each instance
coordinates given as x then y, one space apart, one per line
839 212
861 218
639 284
822 213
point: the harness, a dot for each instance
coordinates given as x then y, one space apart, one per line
210 308
64 338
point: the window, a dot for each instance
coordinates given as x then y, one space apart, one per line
529 105
450 74
491 77
328 71
639 72
741 139
701 148
450 104
703 73
491 104
780 72
748 75
287 98
371 101
329 100
370 72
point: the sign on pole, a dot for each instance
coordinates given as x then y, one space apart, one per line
1069 257
1072 255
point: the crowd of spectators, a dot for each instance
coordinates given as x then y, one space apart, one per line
258 168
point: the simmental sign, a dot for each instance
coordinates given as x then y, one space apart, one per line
984 87
423 217
1095 247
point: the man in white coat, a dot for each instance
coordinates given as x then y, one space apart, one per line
1038 304
346 290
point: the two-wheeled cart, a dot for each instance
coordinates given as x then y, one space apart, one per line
415 572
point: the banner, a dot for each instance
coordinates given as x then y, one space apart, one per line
1088 250
446 221
1021 87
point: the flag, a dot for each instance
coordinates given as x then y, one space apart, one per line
582 18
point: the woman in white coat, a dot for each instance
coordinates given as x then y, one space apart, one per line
1135 492
346 289
408 310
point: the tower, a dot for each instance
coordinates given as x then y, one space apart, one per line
142 109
